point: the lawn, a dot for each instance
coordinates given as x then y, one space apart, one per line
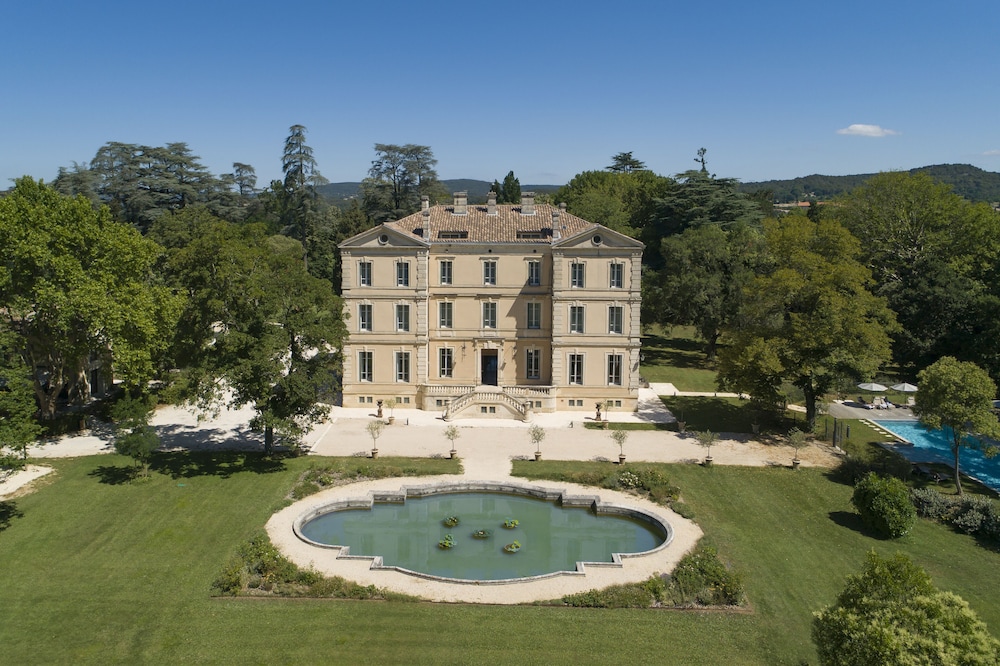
676 356
98 570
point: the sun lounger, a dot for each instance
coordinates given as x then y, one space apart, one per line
936 477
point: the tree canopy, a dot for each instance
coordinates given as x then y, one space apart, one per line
891 614
398 177
810 319
958 395
625 163
258 329
75 285
619 201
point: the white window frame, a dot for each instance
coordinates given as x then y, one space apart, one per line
577 317
446 314
490 272
446 272
366 323
534 273
364 274
577 275
490 315
402 274
533 363
616 363
534 315
616 275
446 362
403 317
616 319
574 365
402 367
366 366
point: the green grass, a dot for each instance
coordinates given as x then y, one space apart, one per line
677 357
98 570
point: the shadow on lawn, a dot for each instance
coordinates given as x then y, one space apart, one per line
852 521
189 464
8 512
675 352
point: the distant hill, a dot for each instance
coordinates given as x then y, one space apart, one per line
477 189
966 180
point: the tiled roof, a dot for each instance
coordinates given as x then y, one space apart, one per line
476 226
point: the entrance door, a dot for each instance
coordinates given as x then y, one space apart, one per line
489 367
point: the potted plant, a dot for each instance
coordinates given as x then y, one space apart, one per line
375 429
451 433
619 437
536 433
796 440
706 439
681 424
390 404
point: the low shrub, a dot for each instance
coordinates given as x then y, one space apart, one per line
634 595
683 510
929 503
969 513
703 579
884 505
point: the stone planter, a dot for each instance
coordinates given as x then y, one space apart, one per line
374 453
604 424
621 459
795 463
392 419
708 461
680 426
538 455
453 453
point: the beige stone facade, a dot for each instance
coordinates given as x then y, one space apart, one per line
494 310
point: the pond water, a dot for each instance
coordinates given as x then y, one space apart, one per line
553 538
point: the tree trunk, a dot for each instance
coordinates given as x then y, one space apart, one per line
711 346
957 449
810 395
268 440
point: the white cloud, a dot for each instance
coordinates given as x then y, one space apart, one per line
992 153
866 130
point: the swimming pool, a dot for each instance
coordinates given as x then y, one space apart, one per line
935 446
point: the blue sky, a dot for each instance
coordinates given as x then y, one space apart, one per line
547 88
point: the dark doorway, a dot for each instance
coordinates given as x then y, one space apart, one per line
489 365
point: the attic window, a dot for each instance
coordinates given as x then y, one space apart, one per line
453 235
530 235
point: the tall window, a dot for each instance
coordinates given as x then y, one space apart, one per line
617 276
402 366
534 273
402 317
614 369
534 363
615 318
365 273
444 315
365 322
489 272
446 272
366 367
402 274
446 361
534 315
489 315
576 319
576 368
576 274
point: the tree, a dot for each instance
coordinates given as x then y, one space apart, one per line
810 320
398 177
891 614
134 437
451 433
75 285
625 163
18 427
958 395
619 201
536 434
706 271
706 439
258 329
619 437
510 191
375 428
300 205
245 179
884 505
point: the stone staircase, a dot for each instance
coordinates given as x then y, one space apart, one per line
488 396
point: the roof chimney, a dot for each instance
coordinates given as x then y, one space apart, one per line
461 203
491 203
562 206
426 217
425 202
527 203
555 226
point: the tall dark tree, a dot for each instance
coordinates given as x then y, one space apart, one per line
245 179
301 209
510 190
625 163
398 178
297 162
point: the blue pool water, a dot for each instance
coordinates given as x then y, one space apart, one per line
935 446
